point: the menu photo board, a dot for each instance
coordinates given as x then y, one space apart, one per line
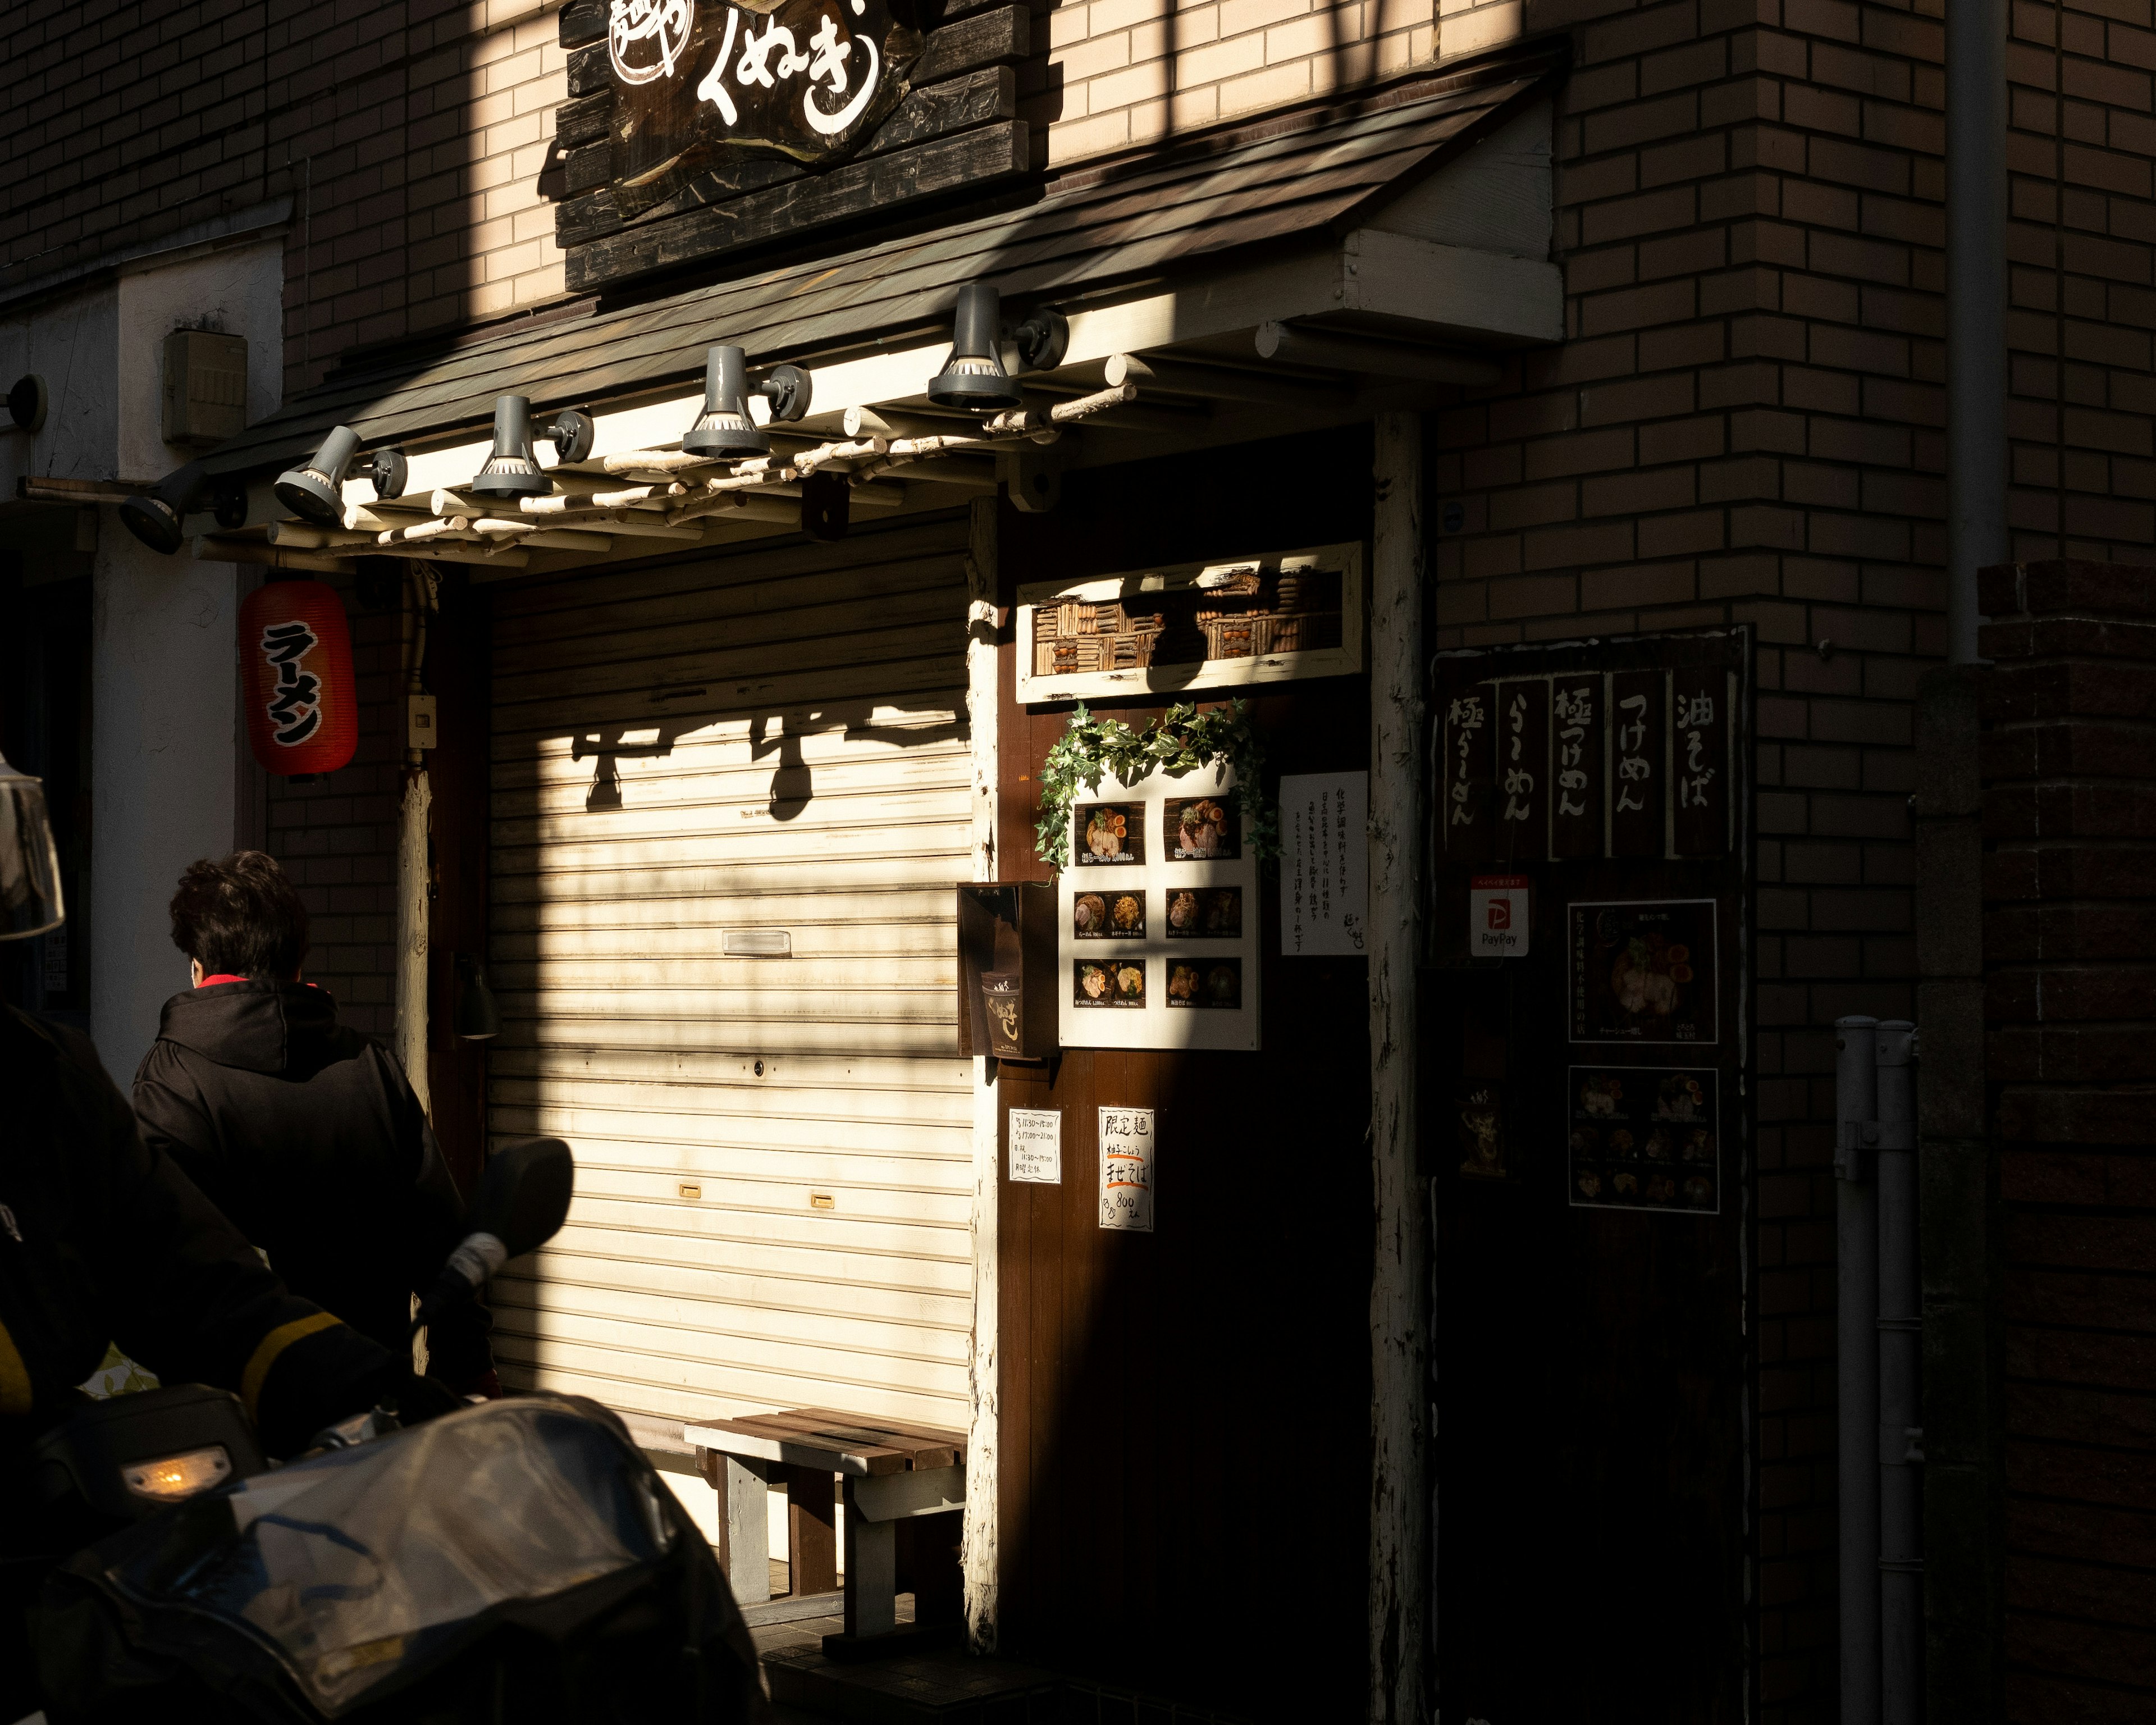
1156 931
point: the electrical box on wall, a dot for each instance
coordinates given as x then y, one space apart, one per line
205 387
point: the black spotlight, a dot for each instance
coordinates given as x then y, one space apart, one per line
27 402
510 471
724 431
316 492
973 376
158 520
477 1016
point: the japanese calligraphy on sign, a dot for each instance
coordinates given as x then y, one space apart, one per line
294 703
1126 1155
808 79
1325 863
1566 764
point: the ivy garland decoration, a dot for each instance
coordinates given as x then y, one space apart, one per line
1181 741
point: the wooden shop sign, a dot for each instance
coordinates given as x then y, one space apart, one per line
806 79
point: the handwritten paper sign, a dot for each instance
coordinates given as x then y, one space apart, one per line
1325 863
1127 1141
1036 1146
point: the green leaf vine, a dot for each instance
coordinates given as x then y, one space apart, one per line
1181 741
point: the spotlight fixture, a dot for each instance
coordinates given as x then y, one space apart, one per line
158 520
509 470
973 376
27 402
316 492
724 430
477 1017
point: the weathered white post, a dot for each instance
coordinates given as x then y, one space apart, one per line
1399 1503
412 822
978 1546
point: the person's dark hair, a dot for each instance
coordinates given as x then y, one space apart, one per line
241 916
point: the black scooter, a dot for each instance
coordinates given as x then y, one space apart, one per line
513 1560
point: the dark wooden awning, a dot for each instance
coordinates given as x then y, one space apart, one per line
1190 243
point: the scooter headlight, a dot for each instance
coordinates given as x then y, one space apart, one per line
172 1477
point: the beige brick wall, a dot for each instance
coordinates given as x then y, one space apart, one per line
1123 73
410 136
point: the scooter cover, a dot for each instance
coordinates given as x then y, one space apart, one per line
358 1571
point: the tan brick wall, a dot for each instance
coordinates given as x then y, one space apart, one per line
1121 73
410 136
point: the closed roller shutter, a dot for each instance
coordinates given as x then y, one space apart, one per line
693 764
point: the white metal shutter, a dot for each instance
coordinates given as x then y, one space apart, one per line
655 736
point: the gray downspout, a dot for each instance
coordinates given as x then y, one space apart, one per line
1901 1343
1976 310
1856 1361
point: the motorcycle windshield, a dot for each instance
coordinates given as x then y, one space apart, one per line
364 1564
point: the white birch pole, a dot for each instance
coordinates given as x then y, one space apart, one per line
1399 1513
978 1550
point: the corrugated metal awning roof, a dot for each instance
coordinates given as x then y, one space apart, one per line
1297 176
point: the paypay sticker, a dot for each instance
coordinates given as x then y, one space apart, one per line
1497 915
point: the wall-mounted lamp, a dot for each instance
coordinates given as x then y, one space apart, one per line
27 402
157 519
973 376
476 1018
316 492
724 430
508 471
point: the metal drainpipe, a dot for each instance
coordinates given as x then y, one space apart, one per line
1856 1360
1976 310
1901 1342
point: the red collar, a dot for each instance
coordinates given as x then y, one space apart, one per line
211 981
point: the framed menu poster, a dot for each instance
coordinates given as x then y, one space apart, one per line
1157 931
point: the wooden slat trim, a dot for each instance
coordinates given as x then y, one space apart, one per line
583 21
579 221
985 38
971 161
944 109
587 167
587 120
591 69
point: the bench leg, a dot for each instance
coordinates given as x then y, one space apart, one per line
871 1573
744 1525
812 1537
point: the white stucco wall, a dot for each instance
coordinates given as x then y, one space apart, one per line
163 781
166 732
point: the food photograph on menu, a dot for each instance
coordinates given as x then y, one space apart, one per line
1205 983
1109 981
1108 916
1200 829
1643 1137
1205 913
1110 833
1643 971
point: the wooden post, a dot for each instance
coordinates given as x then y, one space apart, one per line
1399 1504
412 825
978 1541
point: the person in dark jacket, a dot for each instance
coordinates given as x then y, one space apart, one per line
302 1131
102 1239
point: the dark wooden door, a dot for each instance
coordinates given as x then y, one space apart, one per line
1588 1335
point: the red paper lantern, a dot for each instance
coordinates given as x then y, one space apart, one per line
295 659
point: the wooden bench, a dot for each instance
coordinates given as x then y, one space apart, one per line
891 1473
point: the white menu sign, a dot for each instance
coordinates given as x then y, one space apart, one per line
1036 1145
1127 1140
1325 863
